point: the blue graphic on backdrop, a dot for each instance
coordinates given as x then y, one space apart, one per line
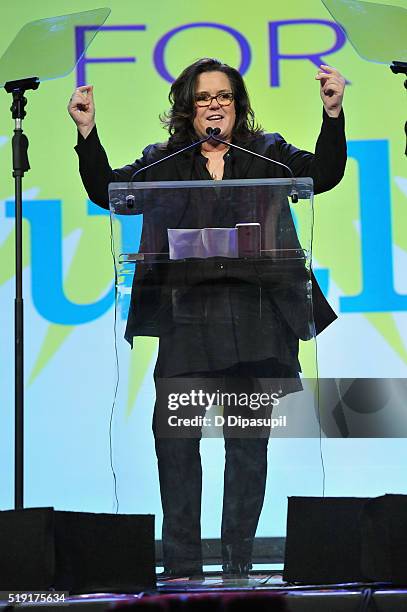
377 294
45 220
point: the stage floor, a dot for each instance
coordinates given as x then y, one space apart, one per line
259 592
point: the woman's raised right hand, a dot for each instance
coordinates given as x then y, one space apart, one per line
81 107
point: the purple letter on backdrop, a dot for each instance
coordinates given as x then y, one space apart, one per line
159 50
315 58
80 49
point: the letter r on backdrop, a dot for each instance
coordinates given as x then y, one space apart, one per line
315 58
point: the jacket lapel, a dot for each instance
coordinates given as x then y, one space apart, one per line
181 170
242 162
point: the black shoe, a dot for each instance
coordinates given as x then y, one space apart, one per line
231 571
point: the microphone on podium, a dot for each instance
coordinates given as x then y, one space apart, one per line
214 133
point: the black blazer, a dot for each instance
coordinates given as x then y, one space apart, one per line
325 166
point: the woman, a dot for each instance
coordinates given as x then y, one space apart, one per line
209 94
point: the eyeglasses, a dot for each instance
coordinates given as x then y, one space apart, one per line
223 99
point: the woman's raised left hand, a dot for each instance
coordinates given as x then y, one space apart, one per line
332 86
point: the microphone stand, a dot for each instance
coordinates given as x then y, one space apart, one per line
20 166
401 68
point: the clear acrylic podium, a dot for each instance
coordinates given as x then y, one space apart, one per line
220 272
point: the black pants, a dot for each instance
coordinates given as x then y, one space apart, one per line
180 474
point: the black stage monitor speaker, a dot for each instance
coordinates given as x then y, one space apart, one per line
79 552
346 539
384 539
323 542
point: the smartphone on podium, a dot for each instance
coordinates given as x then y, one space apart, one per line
248 239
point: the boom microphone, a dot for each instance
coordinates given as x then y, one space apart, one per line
212 131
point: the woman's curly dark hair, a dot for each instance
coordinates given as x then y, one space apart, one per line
179 119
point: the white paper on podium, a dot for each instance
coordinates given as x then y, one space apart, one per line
203 243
